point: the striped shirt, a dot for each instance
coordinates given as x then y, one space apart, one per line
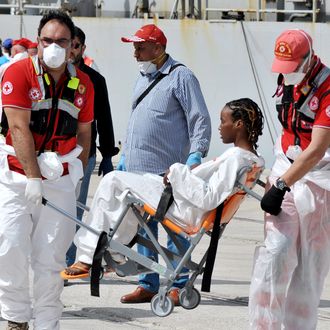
170 122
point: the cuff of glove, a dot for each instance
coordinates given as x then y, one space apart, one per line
194 158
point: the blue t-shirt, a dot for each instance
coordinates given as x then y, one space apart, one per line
3 59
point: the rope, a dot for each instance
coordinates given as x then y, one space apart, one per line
260 92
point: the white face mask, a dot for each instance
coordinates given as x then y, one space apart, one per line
295 78
147 67
54 56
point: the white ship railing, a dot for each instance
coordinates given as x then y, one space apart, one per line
18 6
258 11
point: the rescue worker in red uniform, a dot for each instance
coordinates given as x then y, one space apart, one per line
46 121
291 267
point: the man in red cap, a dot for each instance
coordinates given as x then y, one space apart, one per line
19 49
147 33
18 52
169 123
290 268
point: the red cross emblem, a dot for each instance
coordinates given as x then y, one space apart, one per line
327 111
314 103
79 101
7 88
34 94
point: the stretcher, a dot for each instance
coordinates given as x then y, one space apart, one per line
213 225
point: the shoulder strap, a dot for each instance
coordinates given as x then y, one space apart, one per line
217 231
102 245
154 83
164 204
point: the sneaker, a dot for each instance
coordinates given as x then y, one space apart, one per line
17 326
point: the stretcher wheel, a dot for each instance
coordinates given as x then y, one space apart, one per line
165 309
189 298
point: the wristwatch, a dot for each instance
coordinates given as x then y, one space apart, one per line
280 184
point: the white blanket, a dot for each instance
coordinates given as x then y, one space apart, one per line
195 192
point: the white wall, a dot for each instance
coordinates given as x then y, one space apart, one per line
216 52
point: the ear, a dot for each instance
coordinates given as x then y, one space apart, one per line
159 48
83 49
239 123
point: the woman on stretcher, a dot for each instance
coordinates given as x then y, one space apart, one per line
195 191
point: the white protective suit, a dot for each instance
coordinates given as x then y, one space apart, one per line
290 269
195 193
37 236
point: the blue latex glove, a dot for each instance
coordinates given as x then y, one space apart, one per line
195 158
121 165
105 166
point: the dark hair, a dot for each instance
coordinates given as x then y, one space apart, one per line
58 15
253 119
79 33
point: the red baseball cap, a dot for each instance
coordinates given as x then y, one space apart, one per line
33 45
290 47
22 42
148 32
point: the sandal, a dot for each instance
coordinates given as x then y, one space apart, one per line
77 270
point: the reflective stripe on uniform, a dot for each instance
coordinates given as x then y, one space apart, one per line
63 105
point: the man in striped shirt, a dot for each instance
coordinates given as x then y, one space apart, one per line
169 123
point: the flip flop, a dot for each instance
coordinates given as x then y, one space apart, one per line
84 272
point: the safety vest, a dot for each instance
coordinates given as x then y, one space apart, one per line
295 106
54 117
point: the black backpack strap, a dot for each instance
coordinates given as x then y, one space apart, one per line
154 83
102 245
212 251
166 199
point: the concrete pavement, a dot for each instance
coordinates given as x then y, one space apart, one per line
225 307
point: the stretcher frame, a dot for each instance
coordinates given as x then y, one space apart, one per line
189 296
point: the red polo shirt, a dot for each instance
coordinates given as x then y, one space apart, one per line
20 88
